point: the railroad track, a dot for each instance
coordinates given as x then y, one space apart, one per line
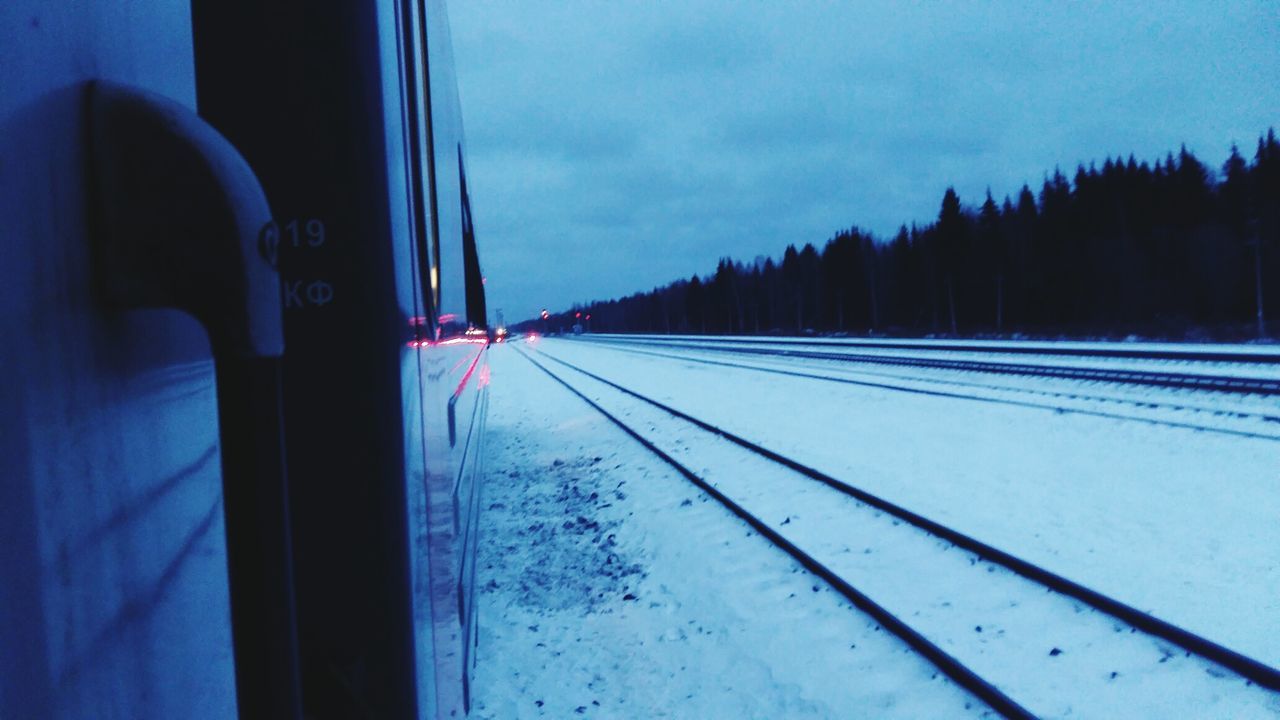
1140 403
1257 355
1000 700
1189 381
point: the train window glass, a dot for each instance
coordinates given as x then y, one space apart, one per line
412 94
423 160
476 311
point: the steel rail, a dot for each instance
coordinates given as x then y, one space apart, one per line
1190 381
1027 347
996 400
1250 668
949 665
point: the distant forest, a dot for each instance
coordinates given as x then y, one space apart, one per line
1174 250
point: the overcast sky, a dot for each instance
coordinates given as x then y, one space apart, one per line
616 146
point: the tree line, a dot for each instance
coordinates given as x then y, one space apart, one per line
1173 249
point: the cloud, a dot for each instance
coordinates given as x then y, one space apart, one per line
616 146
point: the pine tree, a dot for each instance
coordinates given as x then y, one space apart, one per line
953 241
990 234
695 306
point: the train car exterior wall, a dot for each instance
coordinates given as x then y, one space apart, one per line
120 591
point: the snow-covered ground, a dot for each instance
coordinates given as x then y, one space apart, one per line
1050 653
1173 521
1247 414
984 348
1048 346
610 587
991 351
